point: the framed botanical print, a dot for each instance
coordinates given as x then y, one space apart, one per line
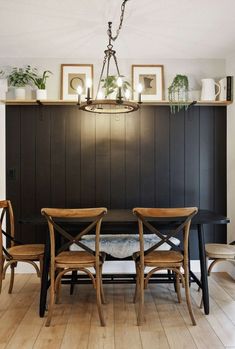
151 79
73 76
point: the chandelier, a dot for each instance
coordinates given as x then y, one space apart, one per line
102 104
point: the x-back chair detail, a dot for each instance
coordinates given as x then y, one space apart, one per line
18 252
177 220
63 261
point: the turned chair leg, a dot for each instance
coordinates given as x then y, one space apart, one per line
73 279
187 294
13 266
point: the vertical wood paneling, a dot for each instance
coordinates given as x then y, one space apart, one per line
177 159
73 157
162 157
88 160
13 191
117 162
59 156
28 168
192 161
43 159
43 165
58 161
207 163
220 186
132 159
102 161
147 157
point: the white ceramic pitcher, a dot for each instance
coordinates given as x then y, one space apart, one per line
208 90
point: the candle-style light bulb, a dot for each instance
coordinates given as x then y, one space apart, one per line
127 94
119 85
139 89
79 91
88 85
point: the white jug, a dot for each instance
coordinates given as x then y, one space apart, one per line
208 90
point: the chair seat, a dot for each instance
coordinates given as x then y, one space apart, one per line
159 257
220 251
29 251
75 257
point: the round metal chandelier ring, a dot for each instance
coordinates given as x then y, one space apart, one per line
109 106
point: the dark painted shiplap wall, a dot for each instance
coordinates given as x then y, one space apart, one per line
59 156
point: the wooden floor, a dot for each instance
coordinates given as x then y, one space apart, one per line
75 323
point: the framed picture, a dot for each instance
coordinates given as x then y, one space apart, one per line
72 76
151 79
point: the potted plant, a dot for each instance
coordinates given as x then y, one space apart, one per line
3 85
110 85
40 82
19 78
178 93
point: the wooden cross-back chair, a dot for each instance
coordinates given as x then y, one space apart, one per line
178 220
63 261
17 252
219 253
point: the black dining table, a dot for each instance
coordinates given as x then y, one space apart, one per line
123 221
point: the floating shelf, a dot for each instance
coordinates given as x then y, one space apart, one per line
63 102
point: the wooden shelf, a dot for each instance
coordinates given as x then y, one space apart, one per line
63 102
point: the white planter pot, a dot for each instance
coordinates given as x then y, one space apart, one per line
3 88
19 93
41 94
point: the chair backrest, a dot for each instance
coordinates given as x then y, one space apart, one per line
57 218
171 221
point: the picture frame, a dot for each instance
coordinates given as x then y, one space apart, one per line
151 79
73 75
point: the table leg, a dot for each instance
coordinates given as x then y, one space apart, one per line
44 278
204 279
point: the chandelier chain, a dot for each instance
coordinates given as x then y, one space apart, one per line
113 38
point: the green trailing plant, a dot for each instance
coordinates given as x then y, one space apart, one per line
38 80
20 77
110 85
178 93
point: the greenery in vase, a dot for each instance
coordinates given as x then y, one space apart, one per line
110 85
178 93
20 77
40 81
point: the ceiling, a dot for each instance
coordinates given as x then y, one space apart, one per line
151 29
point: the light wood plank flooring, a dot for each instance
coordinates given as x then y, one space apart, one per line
75 323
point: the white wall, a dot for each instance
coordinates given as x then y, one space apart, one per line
195 69
230 70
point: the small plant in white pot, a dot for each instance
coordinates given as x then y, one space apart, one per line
40 83
19 78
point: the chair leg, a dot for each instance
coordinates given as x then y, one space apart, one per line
101 286
41 265
13 265
187 294
1 275
177 287
141 296
52 299
98 297
137 284
73 278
